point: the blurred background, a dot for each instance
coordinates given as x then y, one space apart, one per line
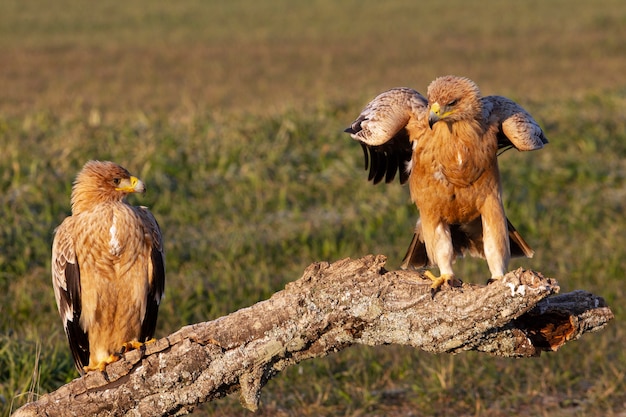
232 113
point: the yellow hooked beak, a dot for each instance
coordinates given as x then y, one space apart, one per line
131 185
434 115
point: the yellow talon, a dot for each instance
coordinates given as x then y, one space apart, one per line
132 345
114 357
440 280
437 281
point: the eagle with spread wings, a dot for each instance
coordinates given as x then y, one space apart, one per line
108 267
446 147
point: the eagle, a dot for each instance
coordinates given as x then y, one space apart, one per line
446 147
108 267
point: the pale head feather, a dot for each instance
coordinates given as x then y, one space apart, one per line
456 93
96 183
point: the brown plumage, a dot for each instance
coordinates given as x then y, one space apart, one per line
108 267
446 147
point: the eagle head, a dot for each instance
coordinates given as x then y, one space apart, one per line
452 98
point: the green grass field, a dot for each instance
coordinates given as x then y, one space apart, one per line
232 113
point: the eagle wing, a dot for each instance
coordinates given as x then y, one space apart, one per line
382 131
66 283
517 128
156 270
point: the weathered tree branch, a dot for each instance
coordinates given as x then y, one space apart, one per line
331 307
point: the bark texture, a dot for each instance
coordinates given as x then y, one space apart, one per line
331 307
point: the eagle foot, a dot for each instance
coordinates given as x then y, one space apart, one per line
113 357
440 280
134 345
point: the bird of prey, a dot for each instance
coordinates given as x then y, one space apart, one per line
108 267
446 147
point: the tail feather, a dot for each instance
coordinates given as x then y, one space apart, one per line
416 256
519 247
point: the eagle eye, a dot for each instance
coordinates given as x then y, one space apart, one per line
116 181
453 102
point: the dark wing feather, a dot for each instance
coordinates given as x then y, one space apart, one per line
381 128
393 166
157 282
67 290
517 128
389 159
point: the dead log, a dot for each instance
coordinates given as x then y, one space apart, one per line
332 307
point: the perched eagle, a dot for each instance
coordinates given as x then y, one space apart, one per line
108 267
446 147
